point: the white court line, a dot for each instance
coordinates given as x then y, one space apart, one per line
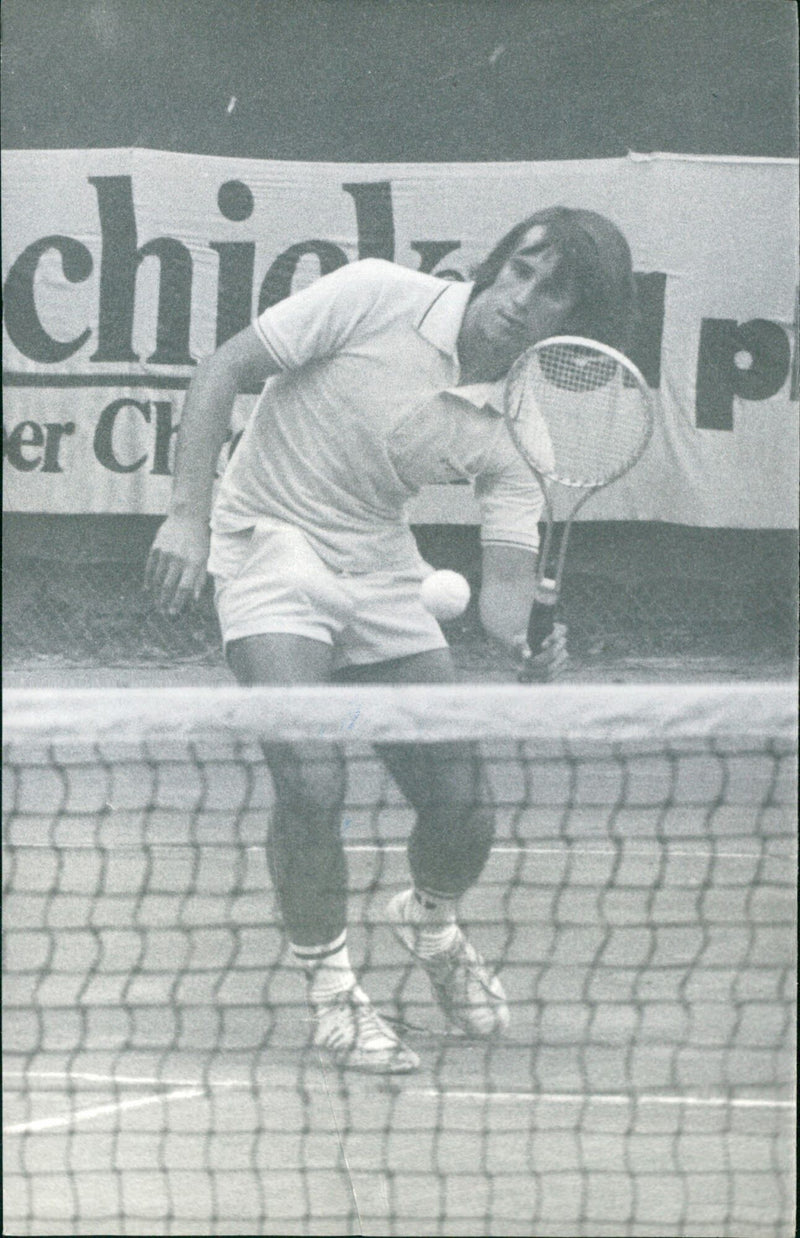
96 1111
116 1080
190 1088
591 1098
400 848
702 855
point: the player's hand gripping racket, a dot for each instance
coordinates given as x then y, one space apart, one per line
581 415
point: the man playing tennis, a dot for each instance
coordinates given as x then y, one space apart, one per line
377 381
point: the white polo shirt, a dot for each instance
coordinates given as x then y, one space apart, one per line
367 410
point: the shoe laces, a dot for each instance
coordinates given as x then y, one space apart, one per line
370 1023
462 964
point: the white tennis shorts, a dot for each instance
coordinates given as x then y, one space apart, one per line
269 579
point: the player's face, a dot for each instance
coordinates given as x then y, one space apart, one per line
527 302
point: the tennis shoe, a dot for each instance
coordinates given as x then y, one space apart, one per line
355 1036
471 998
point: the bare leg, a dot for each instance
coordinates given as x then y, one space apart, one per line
448 848
304 846
307 864
451 840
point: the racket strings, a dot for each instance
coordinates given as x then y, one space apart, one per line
577 419
572 368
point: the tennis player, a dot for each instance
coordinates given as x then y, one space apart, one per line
378 380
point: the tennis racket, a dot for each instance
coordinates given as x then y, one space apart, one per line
581 415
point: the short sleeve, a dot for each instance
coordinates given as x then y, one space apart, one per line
510 499
320 320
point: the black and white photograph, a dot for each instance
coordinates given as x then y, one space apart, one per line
400 542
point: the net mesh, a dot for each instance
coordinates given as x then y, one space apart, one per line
638 905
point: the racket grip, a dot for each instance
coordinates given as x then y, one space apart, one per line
543 615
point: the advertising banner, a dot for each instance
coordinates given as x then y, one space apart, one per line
122 267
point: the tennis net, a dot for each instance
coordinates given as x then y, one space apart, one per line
639 904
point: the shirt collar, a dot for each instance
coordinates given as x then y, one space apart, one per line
441 321
482 395
440 325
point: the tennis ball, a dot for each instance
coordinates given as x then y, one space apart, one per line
444 594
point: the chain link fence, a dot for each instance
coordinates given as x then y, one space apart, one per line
73 595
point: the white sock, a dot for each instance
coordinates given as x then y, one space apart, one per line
435 918
327 968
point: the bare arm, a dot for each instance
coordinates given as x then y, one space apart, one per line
506 592
176 567
505 603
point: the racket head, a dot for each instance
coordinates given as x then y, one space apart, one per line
579 411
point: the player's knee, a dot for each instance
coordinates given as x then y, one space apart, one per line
458 818
454 786
309 794
314 797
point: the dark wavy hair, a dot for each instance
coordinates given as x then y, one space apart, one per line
594 258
